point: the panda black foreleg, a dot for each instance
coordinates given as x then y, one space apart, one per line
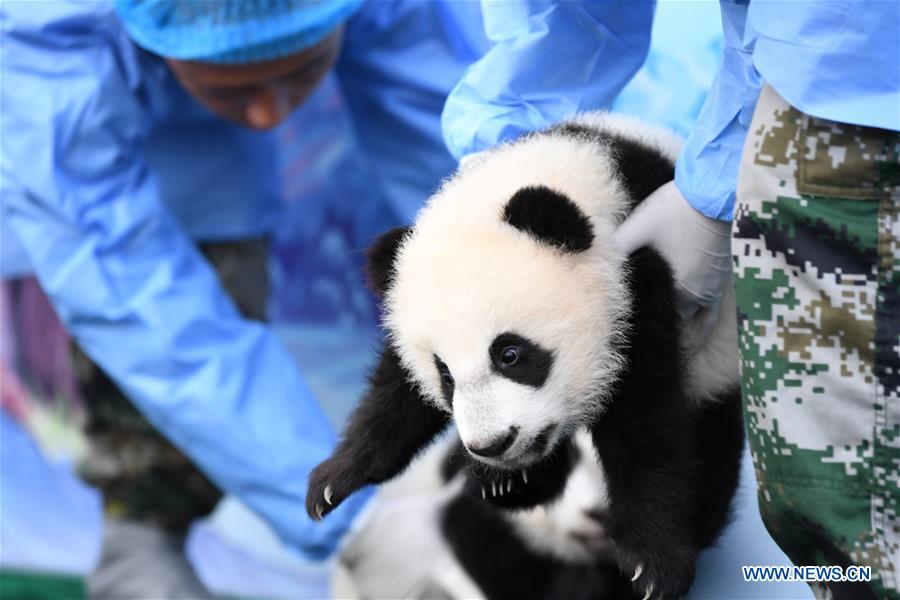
644 440
391 424
650 513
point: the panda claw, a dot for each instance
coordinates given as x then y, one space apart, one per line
509 485
524 476
328 494
649 593
320 511
494 489
483 493
637 572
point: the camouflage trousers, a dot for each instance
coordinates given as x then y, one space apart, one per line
144 478
816 245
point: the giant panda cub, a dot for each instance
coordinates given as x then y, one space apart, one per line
509 310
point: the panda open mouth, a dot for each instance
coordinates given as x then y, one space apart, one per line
517 488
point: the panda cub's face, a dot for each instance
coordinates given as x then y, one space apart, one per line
501 402
506 298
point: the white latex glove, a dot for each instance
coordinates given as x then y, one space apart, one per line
697 247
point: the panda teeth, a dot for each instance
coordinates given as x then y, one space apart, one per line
637 572
329 493
525 476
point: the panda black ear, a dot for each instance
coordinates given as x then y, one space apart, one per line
380 258
551 217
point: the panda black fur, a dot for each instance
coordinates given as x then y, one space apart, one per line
509 310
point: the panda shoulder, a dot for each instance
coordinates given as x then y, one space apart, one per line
625 127
643 155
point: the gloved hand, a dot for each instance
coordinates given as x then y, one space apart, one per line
697 247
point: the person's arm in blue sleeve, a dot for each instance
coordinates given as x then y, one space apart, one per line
688 219
707 169
137 295
550 59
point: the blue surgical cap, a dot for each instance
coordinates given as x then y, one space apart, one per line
231 31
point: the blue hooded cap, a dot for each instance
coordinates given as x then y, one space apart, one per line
231 31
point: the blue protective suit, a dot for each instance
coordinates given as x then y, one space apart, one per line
835 60
110 172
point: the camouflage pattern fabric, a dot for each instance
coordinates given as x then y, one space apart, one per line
144 478
816 245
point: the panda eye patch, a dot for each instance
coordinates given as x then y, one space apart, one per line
447 382
521 360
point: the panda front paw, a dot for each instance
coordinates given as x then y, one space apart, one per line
664 574
330 484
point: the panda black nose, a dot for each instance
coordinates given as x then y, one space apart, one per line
498 446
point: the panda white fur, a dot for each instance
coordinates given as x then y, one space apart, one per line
509 310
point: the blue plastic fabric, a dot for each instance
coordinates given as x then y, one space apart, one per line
109 171
549 60
707 169
836 60
671 86
398 65
230 32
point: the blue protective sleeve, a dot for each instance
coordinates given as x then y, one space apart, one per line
820 56
707 169
131 286
550 59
